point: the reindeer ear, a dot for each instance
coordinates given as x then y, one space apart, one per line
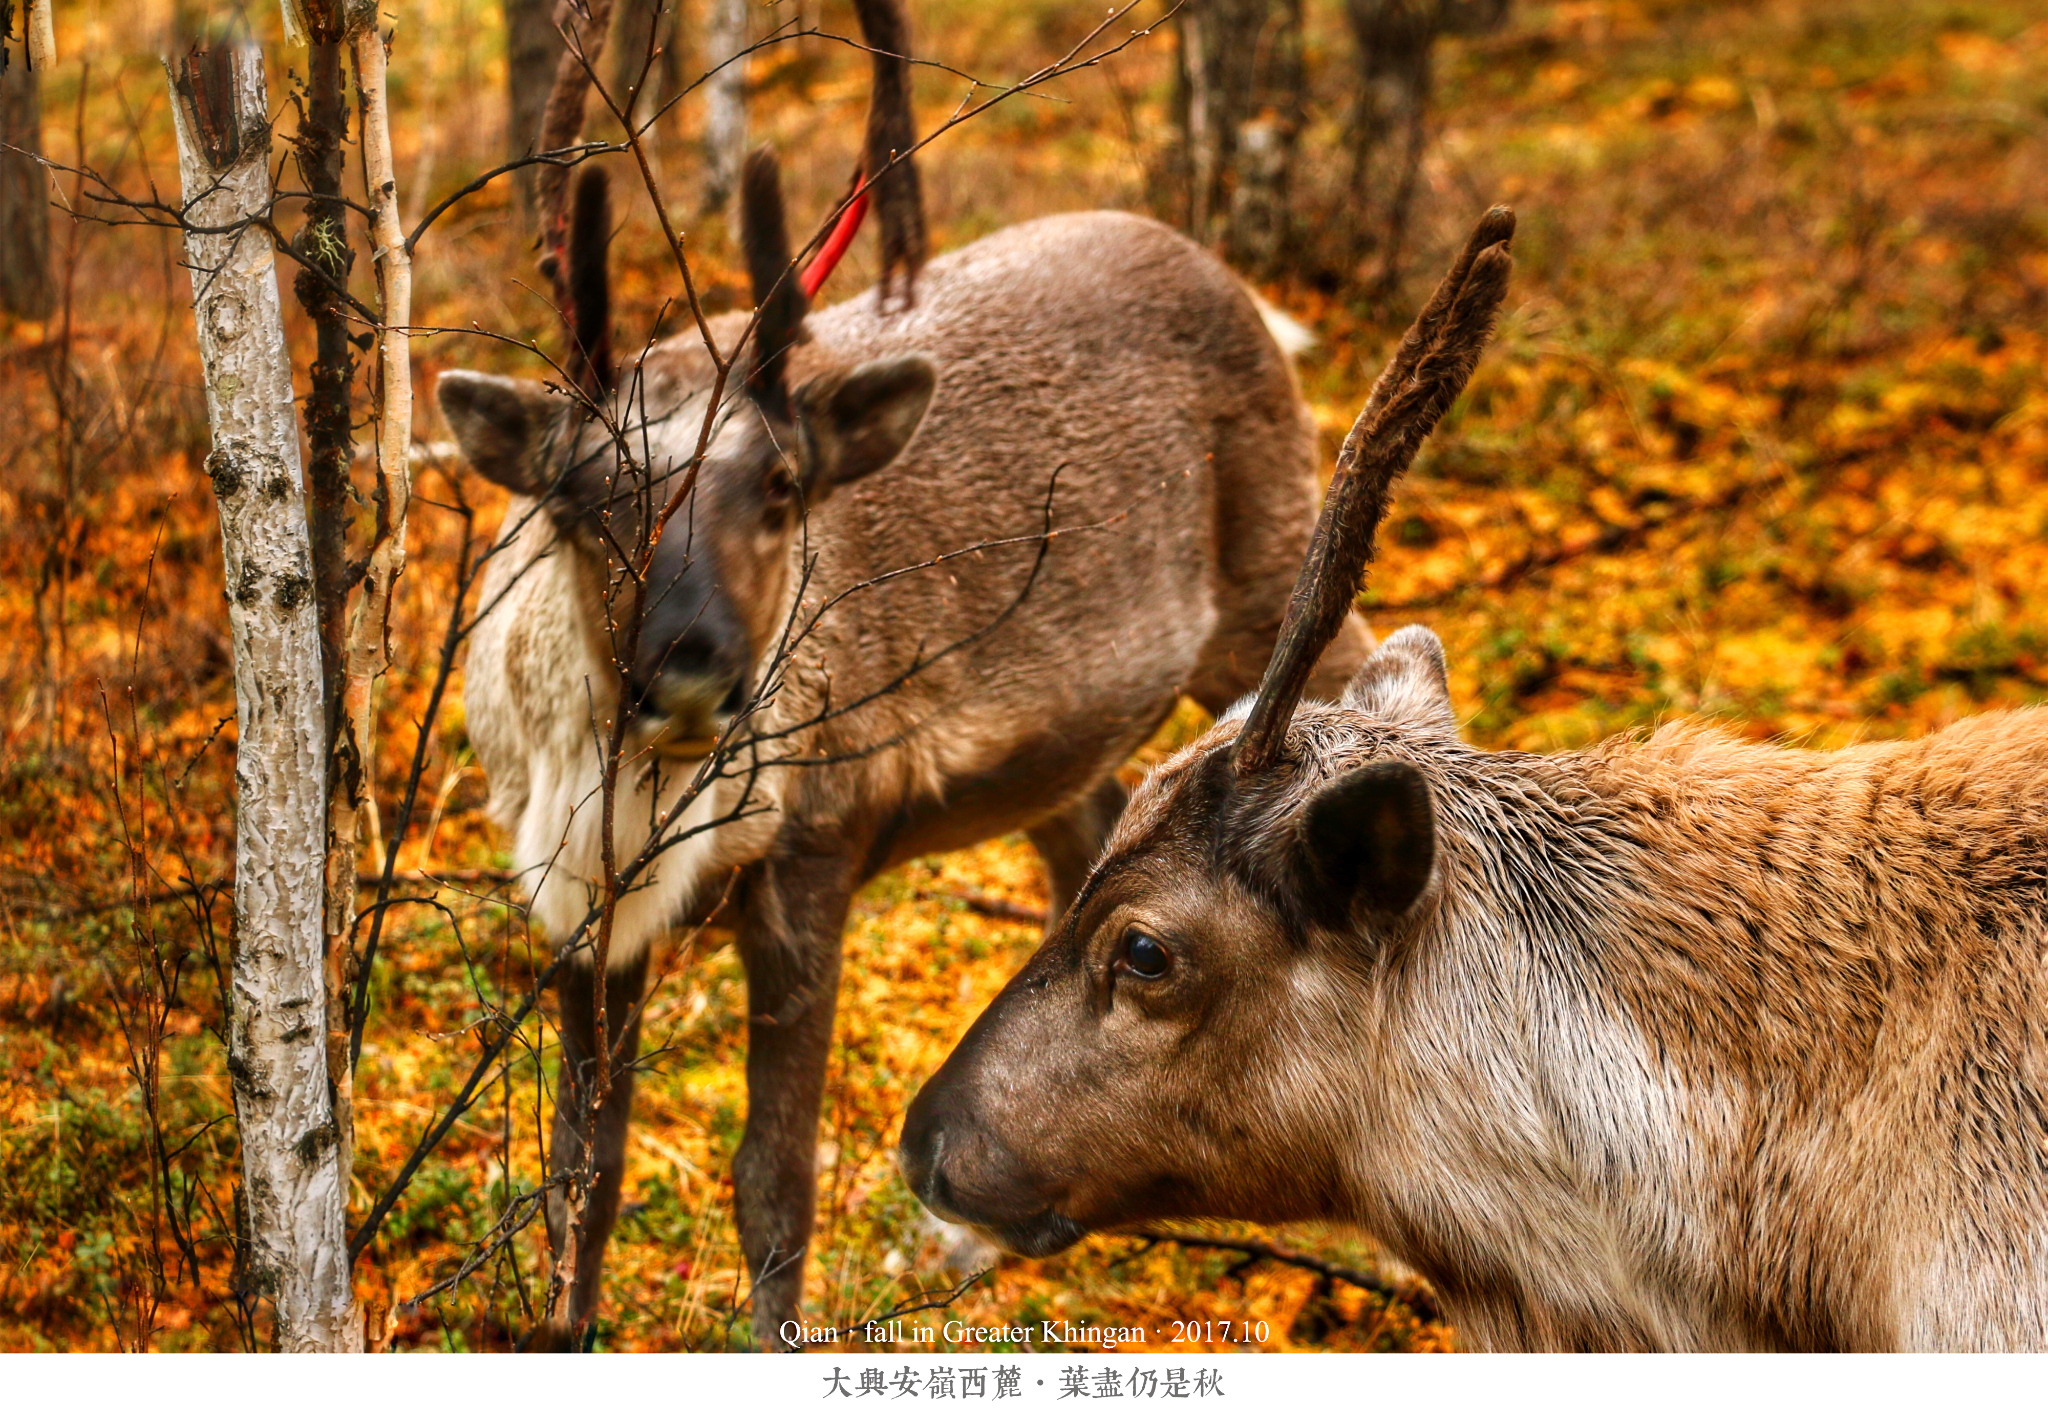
1404 680
857 421
1370 839
502 425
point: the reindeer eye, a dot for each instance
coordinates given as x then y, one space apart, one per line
1143 955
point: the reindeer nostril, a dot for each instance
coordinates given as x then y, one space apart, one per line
929 1183
918 1153
920 1150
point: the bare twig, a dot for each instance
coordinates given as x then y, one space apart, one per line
1417 1296
987 905
925 1302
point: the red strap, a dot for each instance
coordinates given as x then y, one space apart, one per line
835 245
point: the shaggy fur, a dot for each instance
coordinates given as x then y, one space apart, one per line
1690 1042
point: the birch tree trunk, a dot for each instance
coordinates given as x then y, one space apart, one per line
25 285
1389 118
38 24
366 659
725 117
295 1191
1389 113
1241 100
1259 235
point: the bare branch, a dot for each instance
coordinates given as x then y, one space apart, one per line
1419 1298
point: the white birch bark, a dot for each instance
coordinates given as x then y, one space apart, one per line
296 1193
41 32
394 350
297 32
725 116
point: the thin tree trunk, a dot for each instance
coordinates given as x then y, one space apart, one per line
366 655
1410 168
326 258
1260 234
294 1191
725 114
1386 130
26 288
1240 108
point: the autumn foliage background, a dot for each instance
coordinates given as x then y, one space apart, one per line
1764 438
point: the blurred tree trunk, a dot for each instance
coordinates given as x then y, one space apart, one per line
294 1190
26 287
1385 131
532 47
725 118
1389 118
1240 101
1260 235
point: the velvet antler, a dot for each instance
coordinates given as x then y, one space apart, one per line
886 156
764 235
1427 372
574 244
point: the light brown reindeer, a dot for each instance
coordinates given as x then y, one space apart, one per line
1675 1042
1092 455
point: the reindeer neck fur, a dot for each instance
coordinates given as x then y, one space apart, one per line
1654 1063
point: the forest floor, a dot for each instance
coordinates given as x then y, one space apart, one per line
1764 438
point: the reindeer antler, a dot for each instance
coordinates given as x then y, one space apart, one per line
1427 372
574 251
764 235
588 285
892 134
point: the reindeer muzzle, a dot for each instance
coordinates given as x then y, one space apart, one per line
685 713
963 1173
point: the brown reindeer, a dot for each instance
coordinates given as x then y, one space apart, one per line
1091 456
1675 1042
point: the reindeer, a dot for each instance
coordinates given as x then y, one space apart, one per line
938 573
1675 1042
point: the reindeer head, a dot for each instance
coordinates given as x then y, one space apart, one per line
612 465
1164 1052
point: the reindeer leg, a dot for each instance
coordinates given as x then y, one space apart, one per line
792 919
574 1087
1070 840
